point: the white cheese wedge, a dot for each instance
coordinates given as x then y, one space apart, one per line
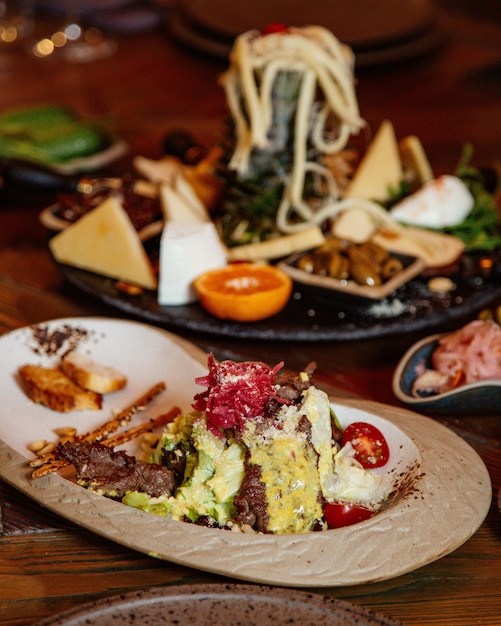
443 202
186 251
104 241
380 169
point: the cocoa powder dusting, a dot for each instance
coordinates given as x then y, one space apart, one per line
56 341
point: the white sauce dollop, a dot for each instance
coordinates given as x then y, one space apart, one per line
441 203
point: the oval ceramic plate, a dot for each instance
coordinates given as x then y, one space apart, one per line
196 605
476 398
442 472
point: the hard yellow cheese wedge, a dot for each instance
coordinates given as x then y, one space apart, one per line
414 160
310 237
380 169
104 241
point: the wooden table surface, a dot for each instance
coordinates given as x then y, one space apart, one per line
151 84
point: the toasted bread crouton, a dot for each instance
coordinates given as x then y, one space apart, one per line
91 375
52 388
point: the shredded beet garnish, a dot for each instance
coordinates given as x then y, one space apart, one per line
235 392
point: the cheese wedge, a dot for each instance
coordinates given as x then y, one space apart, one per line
180 206
415 163
435 249
310 237
380 169
355 224
104 241
186 250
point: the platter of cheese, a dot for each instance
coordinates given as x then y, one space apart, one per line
297 167
391 31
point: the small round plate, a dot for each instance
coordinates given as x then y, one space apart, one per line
196 605
482 397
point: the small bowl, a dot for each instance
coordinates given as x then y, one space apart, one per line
483 397
323 285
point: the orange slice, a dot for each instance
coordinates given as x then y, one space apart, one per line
244 292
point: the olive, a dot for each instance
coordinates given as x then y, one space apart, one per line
181 144
306 262
391 267
364 273
333 264
333 243
486 315
374 251
344 270
357 255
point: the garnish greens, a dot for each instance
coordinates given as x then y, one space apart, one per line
481 230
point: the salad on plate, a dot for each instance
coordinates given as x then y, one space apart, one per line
261 451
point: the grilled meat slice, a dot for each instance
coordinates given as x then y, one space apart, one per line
250 503
112 473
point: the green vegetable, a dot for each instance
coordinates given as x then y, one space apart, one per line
213 473
48 134
481 230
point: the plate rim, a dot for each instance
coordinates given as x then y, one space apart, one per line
235 592
117 149
211 549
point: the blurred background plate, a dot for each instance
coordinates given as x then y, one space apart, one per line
378 32
254 605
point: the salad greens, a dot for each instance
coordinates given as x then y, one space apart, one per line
481 230
213 473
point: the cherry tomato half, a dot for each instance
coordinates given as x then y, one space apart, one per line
369 443
339 514
274 27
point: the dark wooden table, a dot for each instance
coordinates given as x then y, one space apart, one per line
448 97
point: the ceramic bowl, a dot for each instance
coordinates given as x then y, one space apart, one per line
349 290
482 397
